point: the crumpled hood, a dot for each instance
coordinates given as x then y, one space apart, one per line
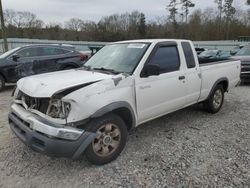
45 85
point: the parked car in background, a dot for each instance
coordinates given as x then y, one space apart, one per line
244 56
199 50
213 55
209 53
236 49
36 59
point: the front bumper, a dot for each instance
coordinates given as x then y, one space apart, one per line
43 137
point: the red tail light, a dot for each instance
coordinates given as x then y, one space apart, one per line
83 57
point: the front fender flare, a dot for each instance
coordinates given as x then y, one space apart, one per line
113 106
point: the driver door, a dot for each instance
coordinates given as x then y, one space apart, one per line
158 95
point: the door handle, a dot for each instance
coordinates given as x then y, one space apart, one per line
182 77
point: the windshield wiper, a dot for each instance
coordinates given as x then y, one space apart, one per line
107 70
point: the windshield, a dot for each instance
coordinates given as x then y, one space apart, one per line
6 54
244 51
122 58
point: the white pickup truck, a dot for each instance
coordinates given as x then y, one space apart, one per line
89 110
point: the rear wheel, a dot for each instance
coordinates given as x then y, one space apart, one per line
215 101
110 140
2 83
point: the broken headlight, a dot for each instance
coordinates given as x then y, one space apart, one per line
16 93
58 109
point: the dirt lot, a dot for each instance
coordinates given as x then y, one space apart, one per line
188 148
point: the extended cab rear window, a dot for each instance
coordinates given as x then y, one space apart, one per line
167 57
189 55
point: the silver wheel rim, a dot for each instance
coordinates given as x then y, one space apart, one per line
107 140
218 97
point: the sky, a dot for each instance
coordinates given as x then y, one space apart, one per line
52 11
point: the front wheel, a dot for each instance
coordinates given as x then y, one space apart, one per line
215 101
110 140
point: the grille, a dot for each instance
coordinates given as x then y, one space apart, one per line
40 104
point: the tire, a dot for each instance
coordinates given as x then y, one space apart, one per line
2 83
216 100
107 146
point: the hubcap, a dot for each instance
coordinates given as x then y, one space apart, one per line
107 140
218 97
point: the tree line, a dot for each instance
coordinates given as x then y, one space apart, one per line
182 20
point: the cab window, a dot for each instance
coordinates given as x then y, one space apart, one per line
167 57
189 55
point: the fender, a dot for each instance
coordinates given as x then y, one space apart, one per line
216 83
113 106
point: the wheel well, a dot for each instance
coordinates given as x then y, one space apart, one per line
126 115
224 83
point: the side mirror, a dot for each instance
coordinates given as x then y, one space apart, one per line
151 70
15 57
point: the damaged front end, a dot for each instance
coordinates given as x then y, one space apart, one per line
41 124
53 107
58 108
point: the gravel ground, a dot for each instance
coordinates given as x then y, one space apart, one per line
188 148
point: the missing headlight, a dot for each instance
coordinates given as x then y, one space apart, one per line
16 93
66 109
58 109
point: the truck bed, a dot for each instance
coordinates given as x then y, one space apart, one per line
213 62
207 61
211 71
